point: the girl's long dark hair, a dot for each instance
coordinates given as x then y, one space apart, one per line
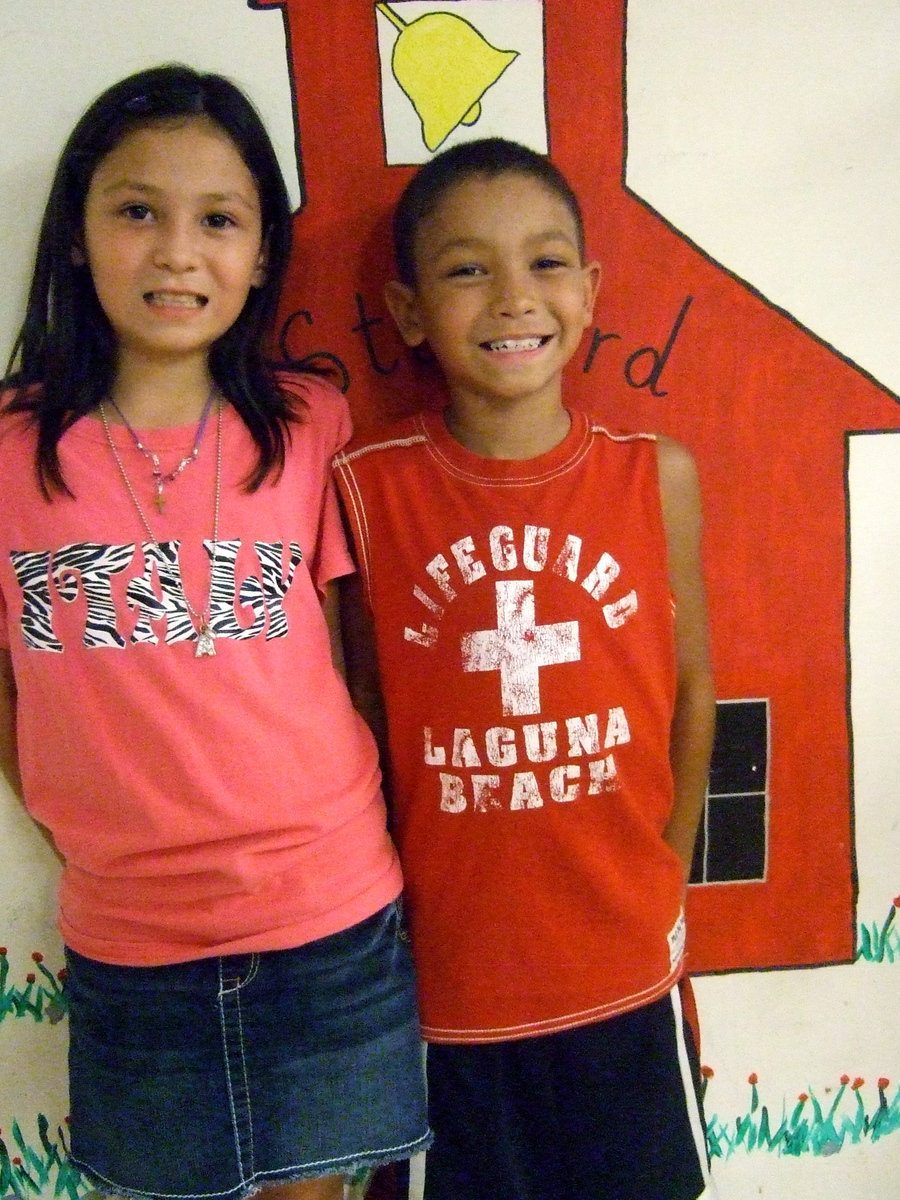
63 360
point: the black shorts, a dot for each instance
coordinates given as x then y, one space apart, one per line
608 1111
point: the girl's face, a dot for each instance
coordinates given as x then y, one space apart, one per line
502 295
173 239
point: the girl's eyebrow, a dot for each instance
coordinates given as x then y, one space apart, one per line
149 189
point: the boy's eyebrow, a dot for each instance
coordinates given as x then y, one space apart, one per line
148 189
544 235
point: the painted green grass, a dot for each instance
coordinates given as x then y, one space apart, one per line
41 997
880 943
812 1125
43 1169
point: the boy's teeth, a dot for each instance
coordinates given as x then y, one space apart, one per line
513 344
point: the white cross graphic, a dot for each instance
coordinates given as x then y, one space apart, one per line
518 647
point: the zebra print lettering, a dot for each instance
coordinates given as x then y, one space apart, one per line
87 569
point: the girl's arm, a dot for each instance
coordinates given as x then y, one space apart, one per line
331 609
363 679
693 724
9 757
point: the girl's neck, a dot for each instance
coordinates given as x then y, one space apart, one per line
154 395
514 432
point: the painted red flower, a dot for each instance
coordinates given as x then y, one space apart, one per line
753 1079
707 1072
857 1083
30 977
803 1097
845 1079
884 1083
37 956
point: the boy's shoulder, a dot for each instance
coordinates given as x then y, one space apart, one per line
385 438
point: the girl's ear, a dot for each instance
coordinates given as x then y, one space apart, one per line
261 270
403 305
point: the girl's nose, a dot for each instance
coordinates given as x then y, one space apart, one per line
175 247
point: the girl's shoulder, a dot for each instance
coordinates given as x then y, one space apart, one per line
313 392
17 423
317 404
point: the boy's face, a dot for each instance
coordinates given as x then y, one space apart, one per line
502 296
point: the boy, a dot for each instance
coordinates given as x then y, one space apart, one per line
534 583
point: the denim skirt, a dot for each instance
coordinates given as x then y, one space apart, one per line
212 1078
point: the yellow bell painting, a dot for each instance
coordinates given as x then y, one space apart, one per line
443 72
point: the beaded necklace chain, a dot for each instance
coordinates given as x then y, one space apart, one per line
161 478
199 618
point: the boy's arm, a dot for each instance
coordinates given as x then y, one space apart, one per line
693 724
9 757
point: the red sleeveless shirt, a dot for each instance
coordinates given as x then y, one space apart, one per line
524 630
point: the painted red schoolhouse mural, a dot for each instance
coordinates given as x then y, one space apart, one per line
680 346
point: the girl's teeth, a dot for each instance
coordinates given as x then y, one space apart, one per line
175 300
517 344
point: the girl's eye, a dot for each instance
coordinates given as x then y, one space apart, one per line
218 220
136 212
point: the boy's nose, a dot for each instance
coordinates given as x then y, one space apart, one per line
513 294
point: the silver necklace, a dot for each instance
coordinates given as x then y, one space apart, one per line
161 478
205 638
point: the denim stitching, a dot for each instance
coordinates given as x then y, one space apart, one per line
235 1123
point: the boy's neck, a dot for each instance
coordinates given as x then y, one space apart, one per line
513 432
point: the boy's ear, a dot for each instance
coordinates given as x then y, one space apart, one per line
592 277
403 306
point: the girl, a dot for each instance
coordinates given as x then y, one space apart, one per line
241 1000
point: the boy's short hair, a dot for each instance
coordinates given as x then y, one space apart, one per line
486 157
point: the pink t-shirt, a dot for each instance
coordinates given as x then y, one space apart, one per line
207 805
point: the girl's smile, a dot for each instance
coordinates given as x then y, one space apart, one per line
173 239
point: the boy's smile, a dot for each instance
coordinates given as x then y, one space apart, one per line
502 296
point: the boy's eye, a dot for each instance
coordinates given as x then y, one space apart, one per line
464 270
549 262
